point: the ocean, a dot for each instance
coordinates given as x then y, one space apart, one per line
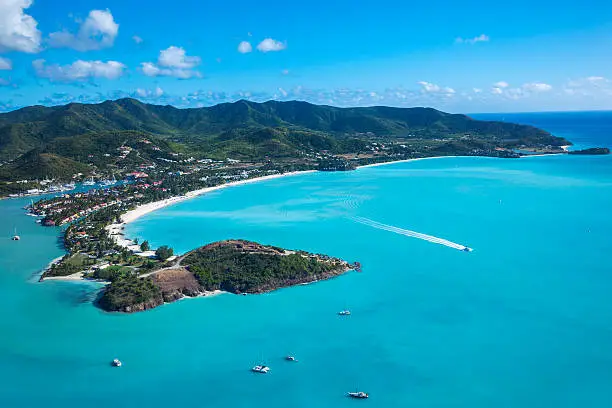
525 320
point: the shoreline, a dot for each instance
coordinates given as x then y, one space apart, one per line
115 230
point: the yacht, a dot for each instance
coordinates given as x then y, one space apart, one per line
358 395
70 186
345 313
290 358
16 237
116 363
261 369
89 182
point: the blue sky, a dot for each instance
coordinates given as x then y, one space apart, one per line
455 56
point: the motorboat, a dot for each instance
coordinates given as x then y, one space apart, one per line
290 358
345 313
116 363
261 369
467 249
15 236
358 395
89 182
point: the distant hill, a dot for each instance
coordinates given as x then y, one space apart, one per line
242 129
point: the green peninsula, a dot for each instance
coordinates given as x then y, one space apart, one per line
234 266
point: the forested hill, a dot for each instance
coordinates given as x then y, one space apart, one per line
247 125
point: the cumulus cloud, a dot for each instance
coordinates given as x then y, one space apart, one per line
5 64
428 87
270 45
497 91
18 30
149 93
589 86
78 71
99 30
477 90
137 39
245 47
537 87
474 40
501 84
173 62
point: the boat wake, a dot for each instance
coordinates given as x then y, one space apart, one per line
412 234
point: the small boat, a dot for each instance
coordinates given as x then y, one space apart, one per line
261 369
358 395
116 363
467 249
89 182
15 236
345 313
290 358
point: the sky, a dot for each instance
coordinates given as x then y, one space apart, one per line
463 57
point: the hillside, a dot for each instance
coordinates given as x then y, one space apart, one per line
247 129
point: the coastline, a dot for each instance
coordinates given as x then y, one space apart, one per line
115 230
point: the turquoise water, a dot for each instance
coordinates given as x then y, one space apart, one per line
523 321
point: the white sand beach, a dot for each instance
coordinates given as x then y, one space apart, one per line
116 230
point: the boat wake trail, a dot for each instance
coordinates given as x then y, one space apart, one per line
412 234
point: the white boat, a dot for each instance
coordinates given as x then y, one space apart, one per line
345 313
69 186
116 363
89 182
290 358
15 236
261 369
358 395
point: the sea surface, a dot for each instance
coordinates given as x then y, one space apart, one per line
525 320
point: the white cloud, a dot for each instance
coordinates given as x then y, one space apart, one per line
176 57
497 91
18 31
537 87
270 45
501 84
5 64
174 62
477 90
99 30
428 87
245 47
480 38
79 70
148 93
589 86
137 39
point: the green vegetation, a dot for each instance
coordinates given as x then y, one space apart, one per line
128 293
164 252
242 266
145 246
591 151
244 130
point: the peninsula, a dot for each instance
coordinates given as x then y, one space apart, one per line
234 266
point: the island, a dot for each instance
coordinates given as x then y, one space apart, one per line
233 266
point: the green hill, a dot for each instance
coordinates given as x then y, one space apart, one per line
245 123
